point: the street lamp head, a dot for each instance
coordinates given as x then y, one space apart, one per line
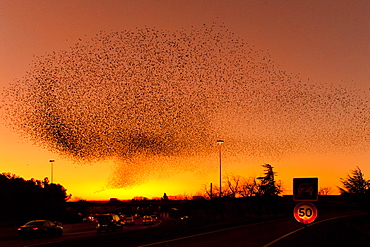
220 142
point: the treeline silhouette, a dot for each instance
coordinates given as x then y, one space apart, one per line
356 188
23 200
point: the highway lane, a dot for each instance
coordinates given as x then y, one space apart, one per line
338 231
257 234
264 233
34 241
72 233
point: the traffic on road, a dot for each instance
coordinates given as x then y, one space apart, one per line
277 232
47 233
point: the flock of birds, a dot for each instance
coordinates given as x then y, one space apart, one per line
150 99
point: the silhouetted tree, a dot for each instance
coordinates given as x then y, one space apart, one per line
238 186
26 199
233 186
209 193
249 187
355 183
268 186
165 197
324 191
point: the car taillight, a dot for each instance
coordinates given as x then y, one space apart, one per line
19 229
35 228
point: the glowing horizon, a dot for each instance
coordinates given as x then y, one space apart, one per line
137 111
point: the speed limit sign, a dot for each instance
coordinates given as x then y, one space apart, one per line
305 212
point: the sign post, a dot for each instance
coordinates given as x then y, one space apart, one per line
305 190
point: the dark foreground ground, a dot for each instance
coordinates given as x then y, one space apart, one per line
331 229
349 231
244 223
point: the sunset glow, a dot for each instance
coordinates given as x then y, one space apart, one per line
129 99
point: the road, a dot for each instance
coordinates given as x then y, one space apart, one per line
329 229
72 233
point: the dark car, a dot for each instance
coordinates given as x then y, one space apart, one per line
154 217
41 228
186 220
129 220
108 222
148 220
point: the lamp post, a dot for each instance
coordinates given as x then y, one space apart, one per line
52 169
220 142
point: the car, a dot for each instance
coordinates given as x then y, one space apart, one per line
129 220
186 219
90 218
148 220
154 217
41 228
108 222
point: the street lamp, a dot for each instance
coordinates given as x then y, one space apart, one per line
52 169
220 142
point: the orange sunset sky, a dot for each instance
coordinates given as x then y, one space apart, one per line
312 122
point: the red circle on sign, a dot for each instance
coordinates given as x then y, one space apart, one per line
305 212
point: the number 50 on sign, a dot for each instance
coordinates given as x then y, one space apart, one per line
305 212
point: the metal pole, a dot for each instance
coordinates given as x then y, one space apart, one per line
220 144
52 170
220 174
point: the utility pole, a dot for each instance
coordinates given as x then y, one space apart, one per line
220 142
